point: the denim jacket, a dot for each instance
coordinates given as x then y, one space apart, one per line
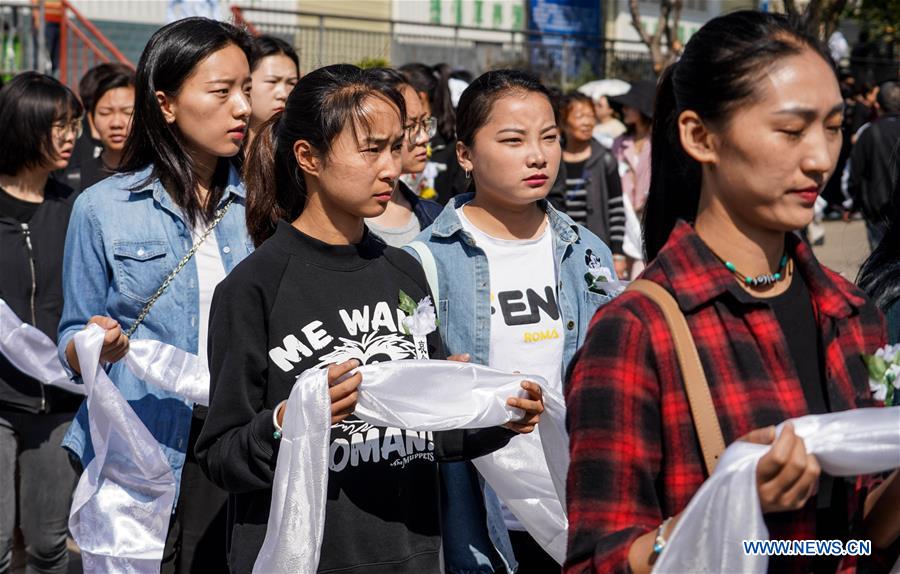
121 245
465 326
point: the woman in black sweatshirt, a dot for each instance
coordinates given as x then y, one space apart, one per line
324 292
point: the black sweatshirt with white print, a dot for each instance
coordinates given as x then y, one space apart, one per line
295 304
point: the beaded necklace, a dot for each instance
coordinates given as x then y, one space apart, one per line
760 280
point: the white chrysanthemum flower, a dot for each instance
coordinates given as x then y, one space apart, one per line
893 375
423 321
879 390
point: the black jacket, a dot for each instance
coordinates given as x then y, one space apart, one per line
425 210
873 167
605 210
31 257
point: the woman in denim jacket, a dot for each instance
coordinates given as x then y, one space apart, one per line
518 283
130 231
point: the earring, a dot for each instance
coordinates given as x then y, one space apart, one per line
467 174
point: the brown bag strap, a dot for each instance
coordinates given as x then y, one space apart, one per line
702 409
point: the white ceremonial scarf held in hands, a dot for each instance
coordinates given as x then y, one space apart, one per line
445 396
726 510
123 502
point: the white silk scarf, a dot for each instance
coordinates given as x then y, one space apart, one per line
122 504
32 352
726 510
419 396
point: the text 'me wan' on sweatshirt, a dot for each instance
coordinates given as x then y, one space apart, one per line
295 304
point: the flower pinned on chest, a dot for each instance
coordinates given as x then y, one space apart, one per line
600 279
420 321
884 374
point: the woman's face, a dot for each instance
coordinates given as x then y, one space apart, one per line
212 108
632 116
602 110
415 146
776 153
579 122
515 155
273 80
112 117
63 134
358 175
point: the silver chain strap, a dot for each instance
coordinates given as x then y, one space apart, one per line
184 261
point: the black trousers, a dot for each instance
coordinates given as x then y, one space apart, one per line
531 557
197 530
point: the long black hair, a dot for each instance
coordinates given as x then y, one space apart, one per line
718 72
168 60
434 82
880 274
29 106
323 103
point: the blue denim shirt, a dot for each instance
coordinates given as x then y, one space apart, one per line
465 326
121 245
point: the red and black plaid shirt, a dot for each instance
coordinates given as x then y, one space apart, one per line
635 457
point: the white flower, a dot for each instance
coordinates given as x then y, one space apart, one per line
888 353
602 274
893 375
879 390
423 321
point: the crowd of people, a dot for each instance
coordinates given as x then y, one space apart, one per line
216 200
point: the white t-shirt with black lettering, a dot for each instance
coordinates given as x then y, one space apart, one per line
526 324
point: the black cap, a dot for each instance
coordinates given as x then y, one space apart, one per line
639 97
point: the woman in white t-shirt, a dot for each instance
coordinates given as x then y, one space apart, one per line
517 284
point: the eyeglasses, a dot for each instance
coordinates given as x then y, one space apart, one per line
428 126
61 129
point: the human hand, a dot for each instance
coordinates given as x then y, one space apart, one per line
343 393
533 407
786 476
115 342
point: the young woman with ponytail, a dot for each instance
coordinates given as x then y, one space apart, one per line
178 183
321 291
747 131
442 174
407 214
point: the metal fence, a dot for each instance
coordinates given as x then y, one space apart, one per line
17 48
561 59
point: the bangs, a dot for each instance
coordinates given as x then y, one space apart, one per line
352 107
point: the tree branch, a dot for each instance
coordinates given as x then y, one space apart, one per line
636 22
662 25
675 43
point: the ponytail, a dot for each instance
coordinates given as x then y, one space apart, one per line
674 176
442 103
274 190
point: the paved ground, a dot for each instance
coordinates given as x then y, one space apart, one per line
845 248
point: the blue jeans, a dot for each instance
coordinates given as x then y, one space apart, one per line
31 442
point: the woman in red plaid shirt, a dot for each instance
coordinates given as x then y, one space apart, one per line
747 132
